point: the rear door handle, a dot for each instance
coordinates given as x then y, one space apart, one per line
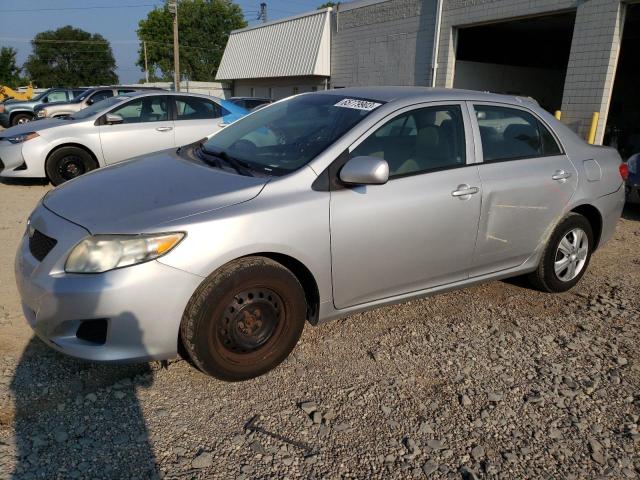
164 129
464 190
560 175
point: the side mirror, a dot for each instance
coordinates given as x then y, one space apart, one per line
365 171
112 118
45 100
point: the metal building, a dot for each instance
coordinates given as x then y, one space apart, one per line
279 58
576 56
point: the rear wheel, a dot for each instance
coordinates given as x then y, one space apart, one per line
566 256
67 163
21 118
244 320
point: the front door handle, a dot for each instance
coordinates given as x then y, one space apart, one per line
464 190
164 129
560 175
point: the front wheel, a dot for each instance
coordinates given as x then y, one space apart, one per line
67 163
21 118
244 320
566 255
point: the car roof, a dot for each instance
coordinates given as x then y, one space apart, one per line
426 94
142 93
262 99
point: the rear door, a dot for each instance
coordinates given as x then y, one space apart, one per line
146 128
527 182
419 229
195 118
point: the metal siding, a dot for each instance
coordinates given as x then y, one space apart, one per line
294 47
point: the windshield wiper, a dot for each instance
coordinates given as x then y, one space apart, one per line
239 166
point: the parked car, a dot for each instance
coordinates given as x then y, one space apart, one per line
110 131
15 112
251 103
320 206
89 97
633 179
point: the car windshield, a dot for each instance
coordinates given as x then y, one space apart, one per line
97 107
286 135
39 96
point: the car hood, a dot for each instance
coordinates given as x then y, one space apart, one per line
42 106
141 195
37 126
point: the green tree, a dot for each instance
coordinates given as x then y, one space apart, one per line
9 70
204 27
328 4
70 57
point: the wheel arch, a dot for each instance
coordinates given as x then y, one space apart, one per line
594 217
13 113
304 276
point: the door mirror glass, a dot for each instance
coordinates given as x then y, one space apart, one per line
113 118
365 171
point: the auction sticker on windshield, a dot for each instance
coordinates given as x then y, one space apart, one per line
357 104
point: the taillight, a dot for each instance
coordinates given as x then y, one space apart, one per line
624 171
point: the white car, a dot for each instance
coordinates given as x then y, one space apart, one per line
111 131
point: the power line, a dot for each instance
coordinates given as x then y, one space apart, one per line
96 7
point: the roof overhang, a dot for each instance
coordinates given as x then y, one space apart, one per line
296 46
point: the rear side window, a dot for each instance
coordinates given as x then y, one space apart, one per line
192 108
510 133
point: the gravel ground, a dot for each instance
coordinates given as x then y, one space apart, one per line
497 381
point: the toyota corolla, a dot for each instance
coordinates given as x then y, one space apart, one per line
313 208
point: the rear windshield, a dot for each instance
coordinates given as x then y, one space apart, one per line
286 135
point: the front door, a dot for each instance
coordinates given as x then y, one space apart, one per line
527 182
419 229
146 128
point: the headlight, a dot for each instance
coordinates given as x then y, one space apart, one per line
41 113
23 137
101 253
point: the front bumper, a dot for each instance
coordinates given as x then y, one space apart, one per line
142 305
24 160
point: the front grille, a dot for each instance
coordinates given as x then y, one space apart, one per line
40 245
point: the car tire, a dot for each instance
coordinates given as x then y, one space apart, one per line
569 246
67 163
244 319
20 118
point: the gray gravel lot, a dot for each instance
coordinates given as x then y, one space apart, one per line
497 381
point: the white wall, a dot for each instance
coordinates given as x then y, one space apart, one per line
545 85
278 87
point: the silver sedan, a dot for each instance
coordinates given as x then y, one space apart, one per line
313 208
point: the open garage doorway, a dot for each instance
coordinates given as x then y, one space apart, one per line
623 124
525 57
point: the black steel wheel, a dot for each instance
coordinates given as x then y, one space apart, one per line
244 319
67 163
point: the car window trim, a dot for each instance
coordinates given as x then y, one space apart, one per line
101 120
468 134
474 120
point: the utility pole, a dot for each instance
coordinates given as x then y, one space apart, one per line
146 64
263 12
173 8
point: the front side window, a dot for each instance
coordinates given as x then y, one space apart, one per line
100 95
289 134
417 141
511 133
146 109
57 96
192 108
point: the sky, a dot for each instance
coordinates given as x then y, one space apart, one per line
20 20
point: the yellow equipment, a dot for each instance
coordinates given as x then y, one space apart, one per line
8 92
